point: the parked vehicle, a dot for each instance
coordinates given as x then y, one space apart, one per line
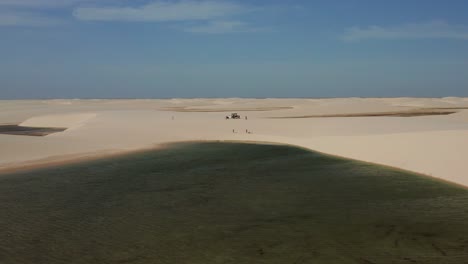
233 116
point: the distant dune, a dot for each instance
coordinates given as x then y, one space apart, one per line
408 113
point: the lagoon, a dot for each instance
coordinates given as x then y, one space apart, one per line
230 203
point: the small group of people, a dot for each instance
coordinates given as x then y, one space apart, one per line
246 131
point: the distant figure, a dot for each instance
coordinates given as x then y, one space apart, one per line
246 131
172 117
245 117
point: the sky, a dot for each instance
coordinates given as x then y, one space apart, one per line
233 48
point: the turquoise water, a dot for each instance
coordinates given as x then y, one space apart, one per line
230 203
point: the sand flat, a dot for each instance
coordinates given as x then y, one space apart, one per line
435 145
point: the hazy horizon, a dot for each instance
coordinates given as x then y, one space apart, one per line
238 97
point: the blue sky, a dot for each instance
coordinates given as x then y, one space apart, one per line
210 48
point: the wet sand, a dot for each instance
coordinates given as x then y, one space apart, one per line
28 131
395 114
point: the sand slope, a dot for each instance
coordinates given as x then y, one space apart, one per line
434 145
62 121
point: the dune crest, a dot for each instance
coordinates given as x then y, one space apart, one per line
62 121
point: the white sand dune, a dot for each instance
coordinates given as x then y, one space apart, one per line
433 145
61 121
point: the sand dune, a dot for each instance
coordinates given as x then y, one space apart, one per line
245 109
409 113
61 121
435 145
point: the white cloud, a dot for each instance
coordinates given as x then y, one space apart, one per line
219 27
162 11
428 30
30 13
198 16
26 19
39 3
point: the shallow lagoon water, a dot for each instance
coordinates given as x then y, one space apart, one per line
230 203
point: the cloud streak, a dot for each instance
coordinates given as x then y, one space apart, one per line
161 11
32 13
26 19
41 4
220 27
193 16
428 30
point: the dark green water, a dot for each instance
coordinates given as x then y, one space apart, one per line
230 203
